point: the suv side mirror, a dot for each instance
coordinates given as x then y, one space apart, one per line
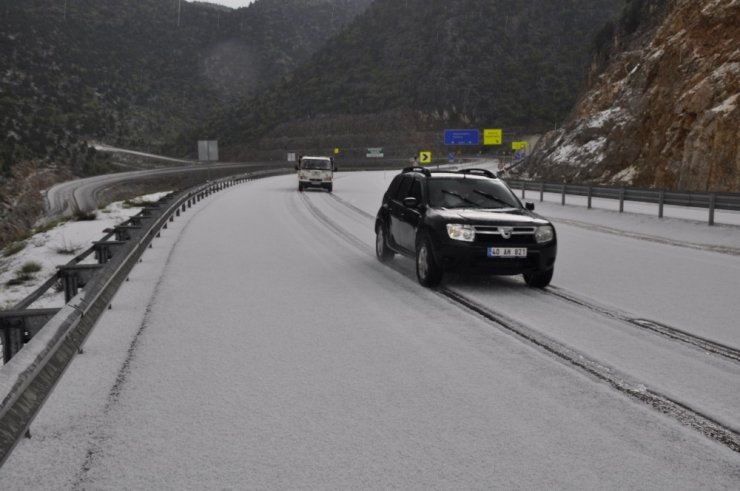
410 202
529 205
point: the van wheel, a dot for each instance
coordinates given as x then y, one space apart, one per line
428 272
329 188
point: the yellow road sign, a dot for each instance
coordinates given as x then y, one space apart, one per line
336 151
519 145
425 158
493 136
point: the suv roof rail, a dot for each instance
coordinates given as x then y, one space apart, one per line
423 170
479 172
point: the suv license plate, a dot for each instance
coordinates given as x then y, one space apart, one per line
507 252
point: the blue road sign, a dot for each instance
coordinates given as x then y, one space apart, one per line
462 137
451 157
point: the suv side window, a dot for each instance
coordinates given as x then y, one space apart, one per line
416 190
404 187
393 188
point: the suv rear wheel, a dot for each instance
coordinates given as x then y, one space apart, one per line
428 271
539 279
382 250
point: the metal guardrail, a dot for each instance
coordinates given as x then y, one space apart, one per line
710 201
41 350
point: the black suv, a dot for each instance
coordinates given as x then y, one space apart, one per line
464 221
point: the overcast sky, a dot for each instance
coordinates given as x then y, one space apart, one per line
232 3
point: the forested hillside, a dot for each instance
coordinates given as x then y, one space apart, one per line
504 62
140 72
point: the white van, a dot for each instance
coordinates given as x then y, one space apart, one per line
315 172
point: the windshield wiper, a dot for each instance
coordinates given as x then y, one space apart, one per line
494 198
460 197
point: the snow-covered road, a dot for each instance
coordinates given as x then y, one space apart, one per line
260 345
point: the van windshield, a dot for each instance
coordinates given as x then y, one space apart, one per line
320 164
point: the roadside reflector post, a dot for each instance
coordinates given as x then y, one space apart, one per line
524 188
562 196
621 200
712 205
542 191
661 202
590 195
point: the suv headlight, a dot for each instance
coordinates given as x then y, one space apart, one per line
457 231
544 234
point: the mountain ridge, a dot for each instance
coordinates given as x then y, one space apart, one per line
476 62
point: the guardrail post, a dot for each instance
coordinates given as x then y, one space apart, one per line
19 326
124 232
590 195
104 249
542 191
712 205
76 276
562 196
621 200
661 202
70 286
12 342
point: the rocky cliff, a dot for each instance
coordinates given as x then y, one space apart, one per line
664 113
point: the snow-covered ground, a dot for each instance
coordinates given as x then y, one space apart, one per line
260 345
56 247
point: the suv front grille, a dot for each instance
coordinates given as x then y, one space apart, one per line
493 234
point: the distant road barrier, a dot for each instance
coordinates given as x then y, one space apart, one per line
39 344
709 201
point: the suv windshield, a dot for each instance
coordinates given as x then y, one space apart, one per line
469 193
320 164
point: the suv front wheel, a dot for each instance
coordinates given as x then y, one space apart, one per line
428 271
382 250
539 279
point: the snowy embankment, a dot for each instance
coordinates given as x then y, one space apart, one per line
24 271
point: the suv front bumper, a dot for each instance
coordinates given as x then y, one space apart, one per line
473 257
